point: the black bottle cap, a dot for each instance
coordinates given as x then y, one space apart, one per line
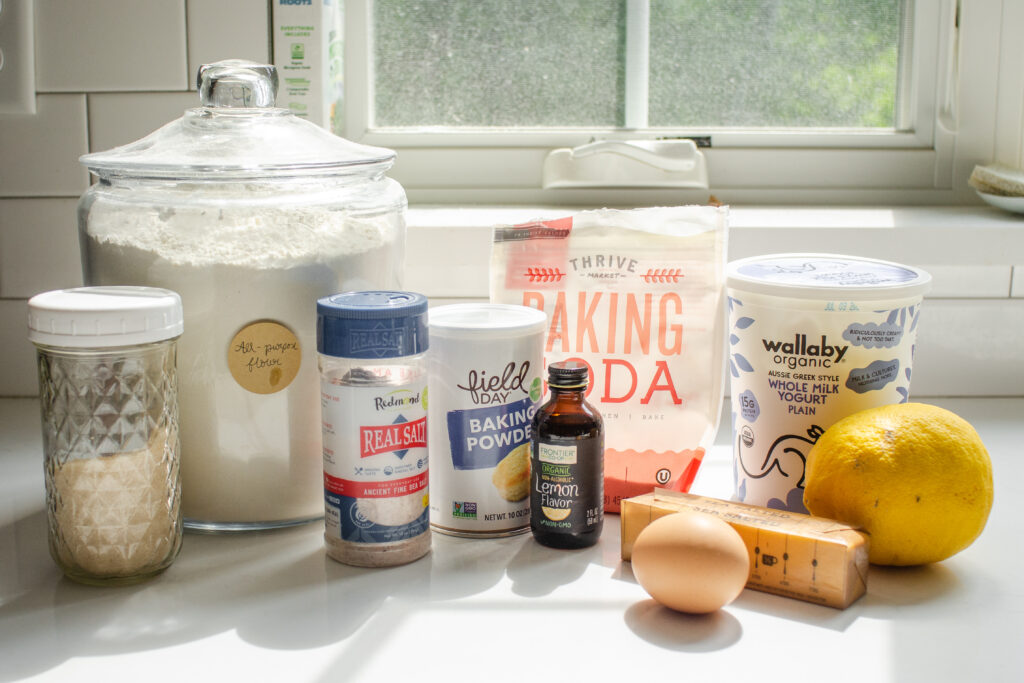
569 374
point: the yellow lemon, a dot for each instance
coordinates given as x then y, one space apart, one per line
915 477
555 514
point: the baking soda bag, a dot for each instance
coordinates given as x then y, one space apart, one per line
637 295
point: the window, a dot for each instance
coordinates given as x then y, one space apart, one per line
798 100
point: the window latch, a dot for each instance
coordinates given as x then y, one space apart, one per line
627 163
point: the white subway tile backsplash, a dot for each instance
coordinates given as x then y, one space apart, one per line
38 246
39 152
119 118
969 348
448 262
105 45
227 29
969 282
18 371
112 71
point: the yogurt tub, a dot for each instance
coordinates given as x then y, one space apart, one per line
484 382
812 338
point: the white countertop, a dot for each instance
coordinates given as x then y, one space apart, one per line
271 606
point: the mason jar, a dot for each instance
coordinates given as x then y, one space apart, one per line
251 214
108 392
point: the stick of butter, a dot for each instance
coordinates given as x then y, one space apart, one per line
809 558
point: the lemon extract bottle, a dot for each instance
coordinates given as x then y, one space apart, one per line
567 463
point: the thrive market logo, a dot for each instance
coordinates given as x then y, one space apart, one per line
603 266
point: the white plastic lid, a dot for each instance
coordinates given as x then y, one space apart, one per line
485 320
810 276
100 317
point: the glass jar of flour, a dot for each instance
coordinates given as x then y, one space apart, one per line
251 214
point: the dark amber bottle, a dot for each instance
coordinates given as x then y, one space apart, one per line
567 463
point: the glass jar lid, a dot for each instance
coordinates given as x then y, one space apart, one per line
103 317
238 133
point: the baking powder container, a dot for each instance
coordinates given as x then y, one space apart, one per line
812 338
485 382
108 390
373 391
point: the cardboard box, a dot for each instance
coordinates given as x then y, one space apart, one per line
307 53
809 558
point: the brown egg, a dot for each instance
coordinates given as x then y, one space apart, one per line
691 562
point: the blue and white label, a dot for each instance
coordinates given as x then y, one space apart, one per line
481 437
485 365
369 520
797 367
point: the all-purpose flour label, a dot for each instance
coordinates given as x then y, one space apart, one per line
375 461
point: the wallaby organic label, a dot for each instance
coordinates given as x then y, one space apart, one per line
264 357
799 363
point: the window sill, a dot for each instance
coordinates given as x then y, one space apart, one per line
970 250
975 311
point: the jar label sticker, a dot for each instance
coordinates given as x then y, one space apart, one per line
264 357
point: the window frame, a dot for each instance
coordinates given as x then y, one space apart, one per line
922 164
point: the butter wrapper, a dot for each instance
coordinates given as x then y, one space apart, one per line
791 554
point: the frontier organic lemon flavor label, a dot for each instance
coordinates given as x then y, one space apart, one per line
264 357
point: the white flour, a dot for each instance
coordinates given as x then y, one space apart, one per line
246 457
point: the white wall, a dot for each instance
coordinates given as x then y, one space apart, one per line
111 71
107 72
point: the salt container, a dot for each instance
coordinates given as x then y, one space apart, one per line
373 382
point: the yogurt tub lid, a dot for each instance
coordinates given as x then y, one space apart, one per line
104 317
813 276
486 320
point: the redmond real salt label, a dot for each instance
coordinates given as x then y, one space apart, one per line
485 366
375 474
